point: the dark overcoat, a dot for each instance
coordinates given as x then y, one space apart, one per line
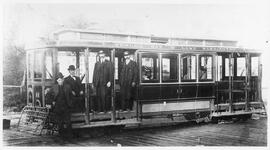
62 100
61 110
129 74
75 85
103 73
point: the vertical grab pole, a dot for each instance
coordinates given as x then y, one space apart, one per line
113 116
230 82
247 86
260 67
86 62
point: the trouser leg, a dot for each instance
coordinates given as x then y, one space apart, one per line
122 100
65 126
68 126
108 99
82 100
60 127
98 99
133 95
130 103
103 98
79 104
60 124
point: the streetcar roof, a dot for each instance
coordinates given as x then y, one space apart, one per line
76 38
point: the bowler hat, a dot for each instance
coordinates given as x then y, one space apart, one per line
126 53
59 75
71 67
100 52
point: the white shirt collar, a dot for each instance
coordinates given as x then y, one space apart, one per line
73 77
127 61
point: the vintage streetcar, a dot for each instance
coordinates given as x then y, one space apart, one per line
180 79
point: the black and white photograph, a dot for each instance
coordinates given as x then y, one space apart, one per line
135 74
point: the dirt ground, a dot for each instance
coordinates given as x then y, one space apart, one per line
252 132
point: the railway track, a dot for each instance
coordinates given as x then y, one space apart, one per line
248 133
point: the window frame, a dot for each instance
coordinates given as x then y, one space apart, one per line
30 65
167 55
181 68
212 68
236 66
258 65
41 61
52 63
92 58
232 69
150 55
64 69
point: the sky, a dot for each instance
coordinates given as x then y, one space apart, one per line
246 22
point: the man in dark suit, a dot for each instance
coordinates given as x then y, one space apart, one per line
128 82
75 89
102 80
61 106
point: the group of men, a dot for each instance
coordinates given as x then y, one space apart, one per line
67 93
103 79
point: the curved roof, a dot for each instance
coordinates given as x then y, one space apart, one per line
98 39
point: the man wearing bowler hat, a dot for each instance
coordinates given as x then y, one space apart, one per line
102 80
76 88
128 82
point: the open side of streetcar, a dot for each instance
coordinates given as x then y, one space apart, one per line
179 79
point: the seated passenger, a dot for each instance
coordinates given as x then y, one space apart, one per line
185 77
145 77
146 73
203 73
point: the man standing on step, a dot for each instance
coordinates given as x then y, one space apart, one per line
128 82
102 80
76 92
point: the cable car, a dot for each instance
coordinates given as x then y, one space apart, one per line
180 79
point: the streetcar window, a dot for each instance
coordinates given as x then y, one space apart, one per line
66 58
150 68
227 67
219 68
116 68
205 68
169 68
254 66
49 64
38 65
188 68
241 66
